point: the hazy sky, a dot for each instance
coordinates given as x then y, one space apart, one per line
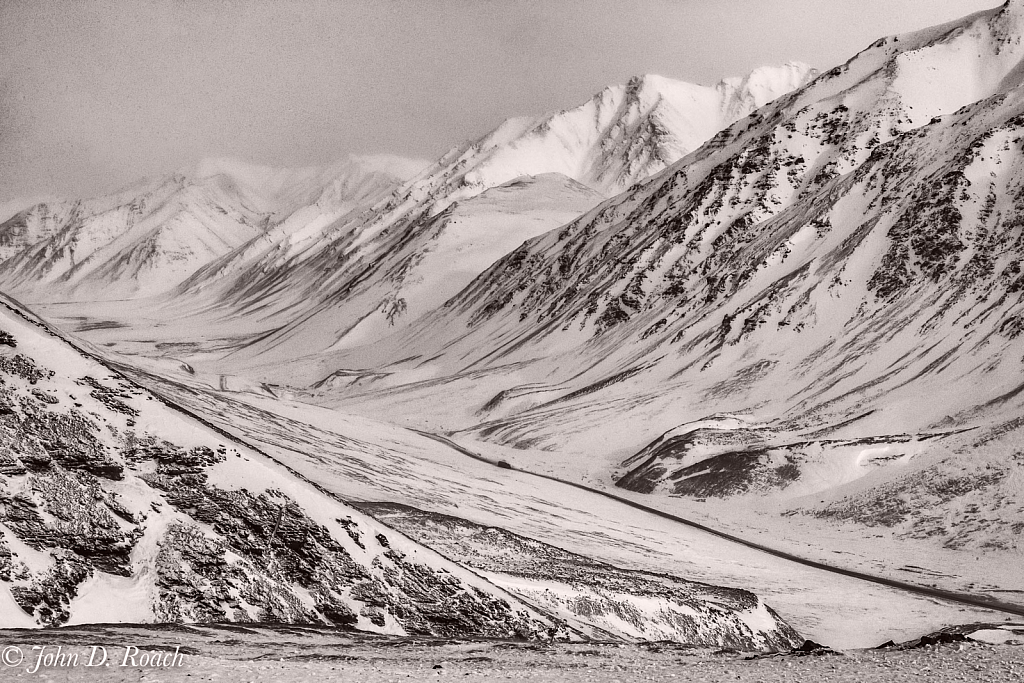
94 95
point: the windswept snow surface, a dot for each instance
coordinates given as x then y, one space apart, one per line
365 459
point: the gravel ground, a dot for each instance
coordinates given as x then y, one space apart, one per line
235 654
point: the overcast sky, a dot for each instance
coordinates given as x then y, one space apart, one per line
94 95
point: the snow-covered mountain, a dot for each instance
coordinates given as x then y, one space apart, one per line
339 187
250 227
148 237
841 270
14 206
321 284
625 133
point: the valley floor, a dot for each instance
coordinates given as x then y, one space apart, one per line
235 653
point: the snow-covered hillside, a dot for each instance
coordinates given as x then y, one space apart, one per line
117 507
625 133
559 546
842 269
345 243
817 311
148 237
321 283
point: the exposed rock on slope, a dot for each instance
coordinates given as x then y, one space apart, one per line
842 265
313 283
115 507
595 597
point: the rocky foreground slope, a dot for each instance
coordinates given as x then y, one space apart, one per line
115 507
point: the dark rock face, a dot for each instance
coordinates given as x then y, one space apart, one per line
111 398
722 463
267 530
80 521
47 597
280 545
49 399
68 439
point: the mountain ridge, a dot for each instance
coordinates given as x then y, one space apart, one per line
359 268
141 240
854 242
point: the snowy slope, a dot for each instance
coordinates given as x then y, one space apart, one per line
338 187
817 313
14 206
370 460
117 507
145 239
321 284
254 225
628 132
841 268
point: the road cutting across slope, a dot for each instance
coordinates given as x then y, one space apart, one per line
984 602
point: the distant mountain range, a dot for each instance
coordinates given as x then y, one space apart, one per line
148 237
246 229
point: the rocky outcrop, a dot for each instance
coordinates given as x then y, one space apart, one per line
97 487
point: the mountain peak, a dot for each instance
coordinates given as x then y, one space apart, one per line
650 82
624 133
774 77
762 85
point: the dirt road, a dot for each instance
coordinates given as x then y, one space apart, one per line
983 601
